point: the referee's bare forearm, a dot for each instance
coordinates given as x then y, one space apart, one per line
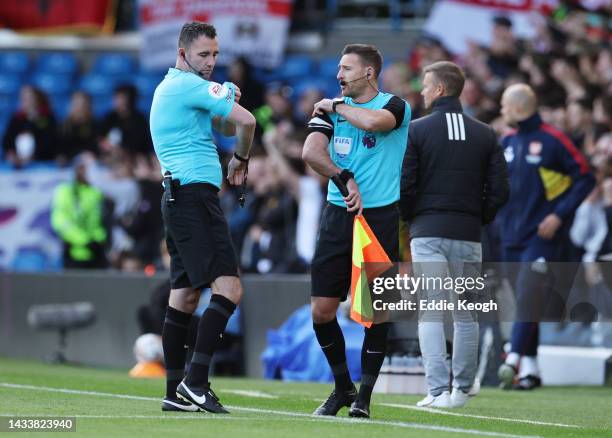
316 155
244 122
245 134
224 127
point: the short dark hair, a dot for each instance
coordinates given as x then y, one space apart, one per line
368 54
449 74
192 30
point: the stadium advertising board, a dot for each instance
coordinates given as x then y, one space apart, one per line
256 29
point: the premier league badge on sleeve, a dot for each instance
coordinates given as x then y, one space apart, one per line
369 140
217 91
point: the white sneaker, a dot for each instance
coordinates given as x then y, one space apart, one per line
458 398
475 389
440 401
426 401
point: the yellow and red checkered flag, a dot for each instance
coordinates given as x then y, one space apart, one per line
366 250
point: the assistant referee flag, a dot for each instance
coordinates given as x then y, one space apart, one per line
369 261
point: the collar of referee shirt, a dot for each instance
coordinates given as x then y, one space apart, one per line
447 104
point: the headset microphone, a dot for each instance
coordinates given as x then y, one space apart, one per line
344 83
197 72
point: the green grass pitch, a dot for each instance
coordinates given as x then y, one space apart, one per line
107 403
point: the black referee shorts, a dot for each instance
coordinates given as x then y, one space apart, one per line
197 236
332 261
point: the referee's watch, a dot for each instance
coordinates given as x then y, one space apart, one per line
241 159
336 102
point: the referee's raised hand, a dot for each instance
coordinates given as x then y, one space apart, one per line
236 171
237 93
323 106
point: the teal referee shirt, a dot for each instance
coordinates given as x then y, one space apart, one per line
181 125
375 158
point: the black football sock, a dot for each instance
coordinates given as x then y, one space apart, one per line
210 330
372 356
174 336
331 340
192 335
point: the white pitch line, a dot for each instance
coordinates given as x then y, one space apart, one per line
180 416
481 417
248 393
384 423
309 417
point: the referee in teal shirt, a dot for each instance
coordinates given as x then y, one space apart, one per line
360 139
186 107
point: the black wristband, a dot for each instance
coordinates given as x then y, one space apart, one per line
345 175
239 158
335 103
341 186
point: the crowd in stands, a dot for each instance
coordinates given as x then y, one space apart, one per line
569 64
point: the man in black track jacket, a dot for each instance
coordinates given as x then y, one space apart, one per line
454 180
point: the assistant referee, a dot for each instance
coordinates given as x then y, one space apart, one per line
186 107
361 139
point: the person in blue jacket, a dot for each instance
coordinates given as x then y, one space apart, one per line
549 178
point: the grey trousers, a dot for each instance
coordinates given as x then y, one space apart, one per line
447 259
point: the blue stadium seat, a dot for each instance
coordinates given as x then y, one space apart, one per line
122 79
329 87
300 86
97 85
53 84
102 105
144 104
4 119
220 74
8 105
146 83
332 88
115 64
266 76
328 67
224 144
57 63
30 259
296 66
9 100
42 165
60 105
10 84
14 62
